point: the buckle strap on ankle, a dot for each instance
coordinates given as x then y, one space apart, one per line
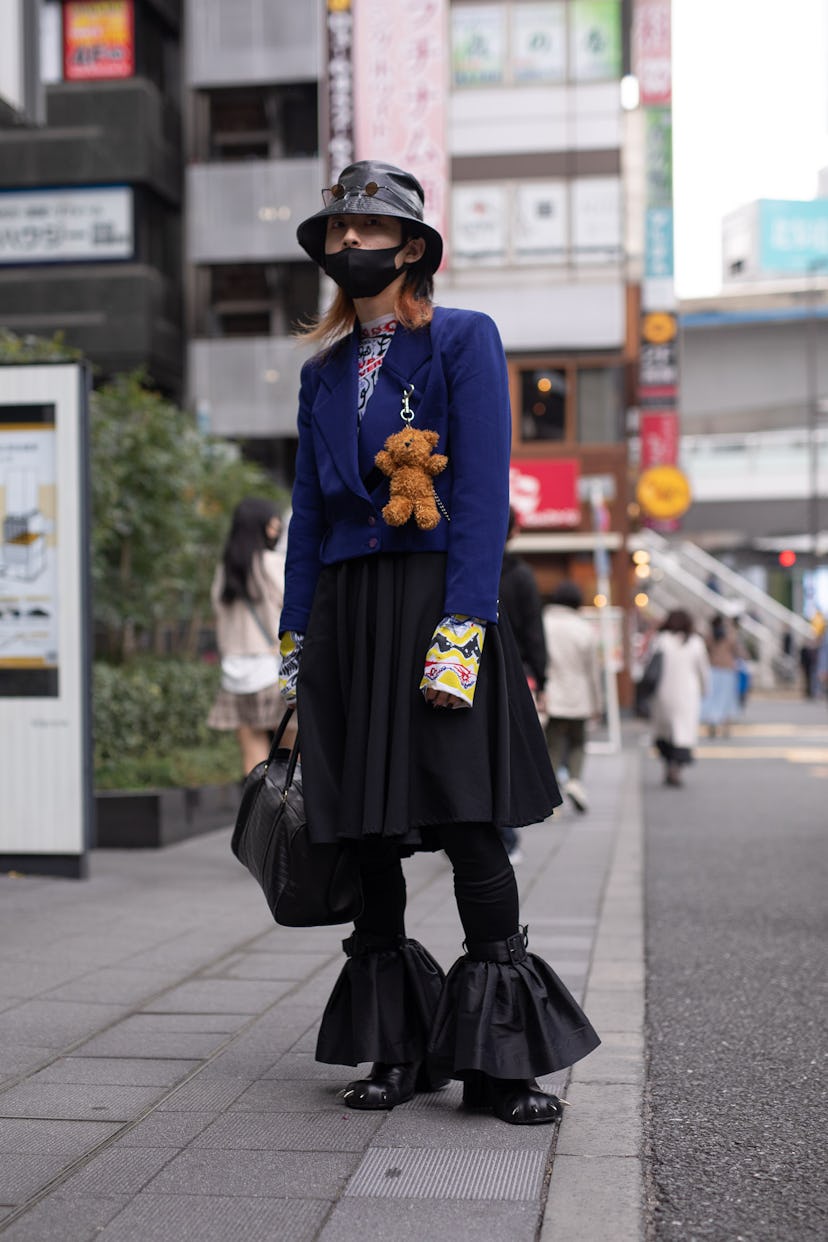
360 942
511 950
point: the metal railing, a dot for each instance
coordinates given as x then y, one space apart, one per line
679 576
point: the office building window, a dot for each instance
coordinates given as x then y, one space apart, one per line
531 222
263 122
577 400
254 299
543 404
538 42
600 407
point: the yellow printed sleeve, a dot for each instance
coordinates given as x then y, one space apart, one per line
453 659
290 651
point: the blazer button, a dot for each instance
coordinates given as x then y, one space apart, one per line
372 543
372 521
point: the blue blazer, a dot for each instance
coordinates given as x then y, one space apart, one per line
458 371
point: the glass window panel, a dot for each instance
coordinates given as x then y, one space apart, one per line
479 224
543 404
599 406
595 40
539 42
596 220
478 44
539 222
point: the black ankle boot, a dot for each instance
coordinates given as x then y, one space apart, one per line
389 1085
519 1101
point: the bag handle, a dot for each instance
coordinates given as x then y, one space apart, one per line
265 633
294 754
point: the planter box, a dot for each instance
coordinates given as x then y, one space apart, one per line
149 819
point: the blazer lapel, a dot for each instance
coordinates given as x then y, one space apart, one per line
335 411
405 364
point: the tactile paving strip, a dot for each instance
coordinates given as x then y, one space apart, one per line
400 1173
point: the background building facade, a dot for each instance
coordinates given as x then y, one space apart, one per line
90 197
510 114
253 169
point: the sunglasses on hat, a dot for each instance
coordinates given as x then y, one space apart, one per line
336 193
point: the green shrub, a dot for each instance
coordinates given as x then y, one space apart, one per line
216 763
152 707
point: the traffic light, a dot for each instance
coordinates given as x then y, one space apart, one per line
787 558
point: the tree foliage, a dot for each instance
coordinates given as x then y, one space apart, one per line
161 495
20 349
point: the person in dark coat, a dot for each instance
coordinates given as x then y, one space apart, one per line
520 603
418 728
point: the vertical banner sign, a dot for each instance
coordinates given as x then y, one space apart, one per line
652 51
400 75
652 66
340 78
659 438
659 362
98 40
45 672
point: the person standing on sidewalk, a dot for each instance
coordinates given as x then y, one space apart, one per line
520 604
676 706
573 694
720 705
418 728
247 594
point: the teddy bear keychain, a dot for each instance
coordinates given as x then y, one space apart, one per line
410 463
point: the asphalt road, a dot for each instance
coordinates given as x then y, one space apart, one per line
736 914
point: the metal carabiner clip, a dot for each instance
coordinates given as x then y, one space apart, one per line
406 413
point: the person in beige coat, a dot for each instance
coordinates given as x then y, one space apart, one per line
573 686
247 594
684 680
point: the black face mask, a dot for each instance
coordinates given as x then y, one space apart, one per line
363 273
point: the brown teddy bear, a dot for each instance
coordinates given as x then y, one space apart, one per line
408 461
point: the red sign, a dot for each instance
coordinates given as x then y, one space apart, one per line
651 50
659 438
545 493
98 40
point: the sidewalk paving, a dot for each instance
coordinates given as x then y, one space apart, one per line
157 1080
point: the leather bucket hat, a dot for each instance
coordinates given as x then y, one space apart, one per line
371 188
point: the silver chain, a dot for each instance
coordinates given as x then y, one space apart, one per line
407 415
440 504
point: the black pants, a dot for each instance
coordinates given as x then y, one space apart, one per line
484 884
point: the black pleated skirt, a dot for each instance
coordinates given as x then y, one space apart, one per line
377 760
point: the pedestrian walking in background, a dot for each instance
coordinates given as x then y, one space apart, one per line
822 665
809 656
573 687
747 652
720 705
520 604
418 728
247 595
807 665
676 704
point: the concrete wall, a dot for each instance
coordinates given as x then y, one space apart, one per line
750 376
235 41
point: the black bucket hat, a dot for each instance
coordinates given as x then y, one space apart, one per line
376 189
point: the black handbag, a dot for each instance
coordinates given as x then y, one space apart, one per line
305 885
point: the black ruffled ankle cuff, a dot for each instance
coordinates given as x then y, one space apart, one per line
382 1005
508 1018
